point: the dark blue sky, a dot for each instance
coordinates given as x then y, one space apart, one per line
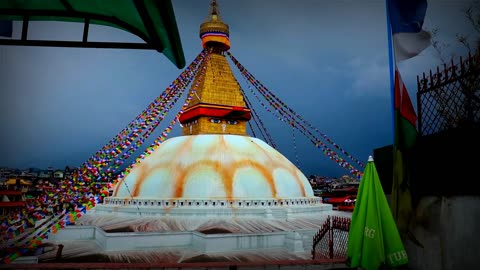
328 60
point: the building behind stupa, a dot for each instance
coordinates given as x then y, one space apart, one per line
214 191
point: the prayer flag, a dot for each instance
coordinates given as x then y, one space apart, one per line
405 135
406 20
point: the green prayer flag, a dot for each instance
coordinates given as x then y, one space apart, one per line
373 240
405 135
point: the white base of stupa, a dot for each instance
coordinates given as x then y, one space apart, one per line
269 208
252 237
245 228
293 241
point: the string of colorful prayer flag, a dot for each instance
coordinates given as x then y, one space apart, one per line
279 107
159 140
281 103
260 125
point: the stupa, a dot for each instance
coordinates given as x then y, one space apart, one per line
215 167
214 190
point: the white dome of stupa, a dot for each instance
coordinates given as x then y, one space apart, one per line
212 166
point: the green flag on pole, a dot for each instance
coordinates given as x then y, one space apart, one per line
405 21
405 138
373 240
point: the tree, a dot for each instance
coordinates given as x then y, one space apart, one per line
472 14
461 111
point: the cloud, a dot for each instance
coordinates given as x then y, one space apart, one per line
370 76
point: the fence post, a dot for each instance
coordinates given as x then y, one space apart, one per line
330 236
58 256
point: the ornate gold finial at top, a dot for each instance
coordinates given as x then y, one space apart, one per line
214 14
214 32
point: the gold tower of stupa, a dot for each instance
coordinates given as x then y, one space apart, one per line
218 106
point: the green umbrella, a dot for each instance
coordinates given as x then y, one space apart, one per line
373 240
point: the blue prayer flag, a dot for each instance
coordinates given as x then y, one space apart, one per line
406 21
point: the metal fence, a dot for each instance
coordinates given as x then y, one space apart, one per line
449 98
330 242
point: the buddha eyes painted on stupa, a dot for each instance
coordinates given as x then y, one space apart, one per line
219 121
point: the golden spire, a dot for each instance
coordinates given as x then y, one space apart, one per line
214 32
218 106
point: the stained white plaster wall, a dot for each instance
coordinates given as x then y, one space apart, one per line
139 241
293 241
74 233
235 242
447 229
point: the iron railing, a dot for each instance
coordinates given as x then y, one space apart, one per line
330 242
449 98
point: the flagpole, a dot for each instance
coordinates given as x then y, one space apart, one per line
392 67
391 61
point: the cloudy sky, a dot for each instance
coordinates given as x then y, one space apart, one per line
328 60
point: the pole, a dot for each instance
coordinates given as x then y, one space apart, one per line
391 62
